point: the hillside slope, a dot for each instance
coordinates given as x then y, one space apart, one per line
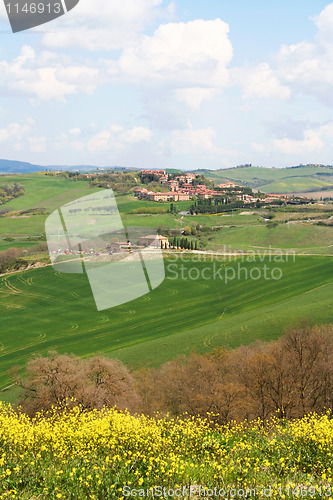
277 180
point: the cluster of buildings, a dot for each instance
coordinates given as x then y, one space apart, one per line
152 241
144 194
270 198
180 188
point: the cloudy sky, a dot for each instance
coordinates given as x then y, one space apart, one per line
160 83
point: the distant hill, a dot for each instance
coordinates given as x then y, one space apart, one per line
299 179
18 167
303 178
23 167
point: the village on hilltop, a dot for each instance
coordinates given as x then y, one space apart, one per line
182 188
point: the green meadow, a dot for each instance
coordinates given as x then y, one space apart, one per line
193 309
41 191
45 191
304 238
277 180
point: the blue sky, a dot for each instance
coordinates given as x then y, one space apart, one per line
185 84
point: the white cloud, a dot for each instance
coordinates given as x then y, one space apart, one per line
14 131
22 135
324 23
190 59
37 144
104 25
308 66
135 135
194 97
28 75
77 145
184 61
191 141
75 131
67 141
302 68
314 139
310 142
259 148
116 138
260 82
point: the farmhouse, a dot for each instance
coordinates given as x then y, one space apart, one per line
118 246
154 241
158 173
170 196
181 196
140 192
228 185
158 196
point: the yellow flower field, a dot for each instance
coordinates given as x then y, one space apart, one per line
78 455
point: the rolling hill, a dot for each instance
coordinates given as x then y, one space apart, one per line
44 310
303 178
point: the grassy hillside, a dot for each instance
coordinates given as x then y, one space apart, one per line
277 180
50 193
303 237
43 310
41 191
44 191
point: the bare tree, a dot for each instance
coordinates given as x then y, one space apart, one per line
91 383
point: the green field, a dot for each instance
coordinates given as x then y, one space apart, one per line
42 310
45 191
297 185
127 203
41 191
303 237
277 180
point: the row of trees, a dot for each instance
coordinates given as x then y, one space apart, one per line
10 191
91 383
183 244
287 378
209 206
121 182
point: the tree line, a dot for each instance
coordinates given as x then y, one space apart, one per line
286 378
10 191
